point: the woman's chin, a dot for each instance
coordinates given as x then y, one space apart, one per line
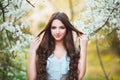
58 39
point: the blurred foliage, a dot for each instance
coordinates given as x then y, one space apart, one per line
110 60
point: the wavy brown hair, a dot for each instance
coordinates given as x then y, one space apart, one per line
47 46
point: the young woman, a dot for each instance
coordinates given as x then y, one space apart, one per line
53 54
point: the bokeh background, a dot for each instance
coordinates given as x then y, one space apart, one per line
21 20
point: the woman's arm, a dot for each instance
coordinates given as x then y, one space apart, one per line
31 68
82 60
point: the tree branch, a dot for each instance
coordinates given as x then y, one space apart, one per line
112 31
105 21
30 3
6 5
100 60
3 12
1 6
97 48
71 9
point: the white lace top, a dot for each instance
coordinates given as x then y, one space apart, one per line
57 69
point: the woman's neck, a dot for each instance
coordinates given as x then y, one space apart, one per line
59 44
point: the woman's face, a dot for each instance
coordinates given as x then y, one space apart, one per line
58 30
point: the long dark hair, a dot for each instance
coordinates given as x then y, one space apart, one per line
47 46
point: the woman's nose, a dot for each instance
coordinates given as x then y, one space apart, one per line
57 31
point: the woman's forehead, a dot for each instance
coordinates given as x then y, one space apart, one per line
57 22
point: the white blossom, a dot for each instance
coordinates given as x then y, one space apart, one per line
99 12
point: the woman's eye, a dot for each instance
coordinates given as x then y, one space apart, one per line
53 27
62 27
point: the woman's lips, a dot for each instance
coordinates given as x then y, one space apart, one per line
57 36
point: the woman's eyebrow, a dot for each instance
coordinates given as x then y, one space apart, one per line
59 26
53 26
62 26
